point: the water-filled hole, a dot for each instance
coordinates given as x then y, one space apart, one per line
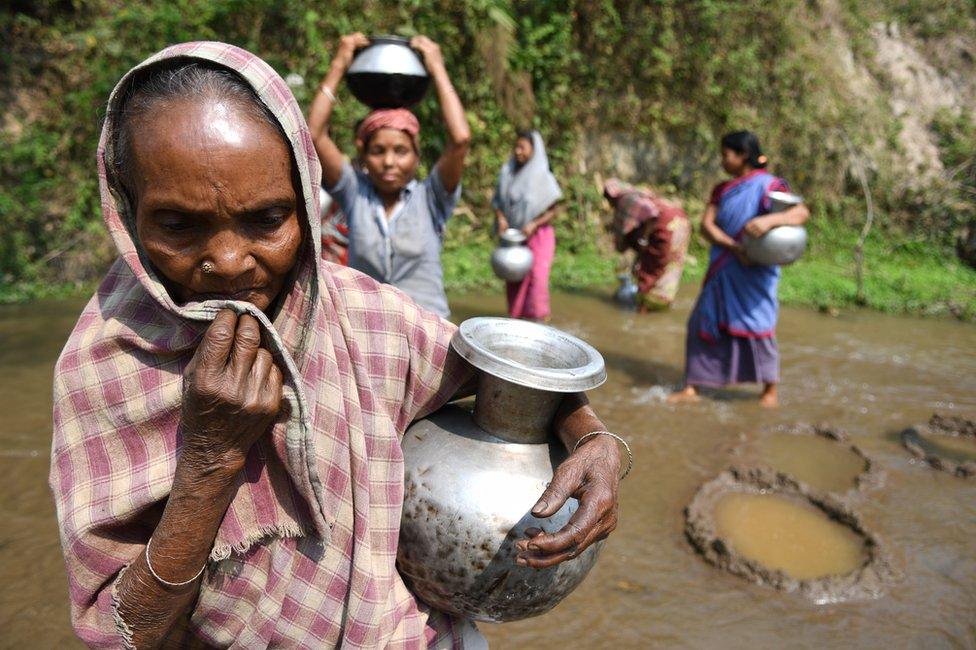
785 534
818 461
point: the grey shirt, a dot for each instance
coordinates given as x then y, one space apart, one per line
404 249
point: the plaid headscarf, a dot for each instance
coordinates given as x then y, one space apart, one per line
305 554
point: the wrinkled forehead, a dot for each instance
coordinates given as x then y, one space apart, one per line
211 143
220 121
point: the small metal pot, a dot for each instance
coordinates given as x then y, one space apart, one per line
626 293
512 260
388 74
782 245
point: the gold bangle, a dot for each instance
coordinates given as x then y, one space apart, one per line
630 454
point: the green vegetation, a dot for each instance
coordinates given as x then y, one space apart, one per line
666 77
903 274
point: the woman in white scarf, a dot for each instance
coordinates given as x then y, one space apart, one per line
526 198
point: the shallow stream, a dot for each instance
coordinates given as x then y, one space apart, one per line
869 374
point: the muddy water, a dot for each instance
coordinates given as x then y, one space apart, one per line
869 374
815 460
784 534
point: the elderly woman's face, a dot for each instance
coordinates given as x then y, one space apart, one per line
214 185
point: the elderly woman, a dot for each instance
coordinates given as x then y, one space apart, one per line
396 223
658 232
226 461
526 197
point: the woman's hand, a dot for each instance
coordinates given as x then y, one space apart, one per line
591 475
431 53
346 51
231 394
529 229
759 226
502 223
740 254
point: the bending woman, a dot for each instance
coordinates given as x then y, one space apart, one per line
525 198
396 223
658 232
228 411
732 331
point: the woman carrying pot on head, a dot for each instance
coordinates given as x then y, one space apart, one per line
658 232
526 198
396 222
228 410
731 334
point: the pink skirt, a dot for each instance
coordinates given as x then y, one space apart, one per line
529 298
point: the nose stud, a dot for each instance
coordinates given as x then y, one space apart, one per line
207 268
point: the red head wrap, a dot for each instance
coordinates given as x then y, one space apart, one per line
390 118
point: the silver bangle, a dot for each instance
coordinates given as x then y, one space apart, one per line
630 454
328 93
167 582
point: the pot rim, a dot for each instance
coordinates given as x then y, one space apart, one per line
513 236
387 55
468 342
786 197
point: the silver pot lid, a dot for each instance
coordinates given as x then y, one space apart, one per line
388 55
530 354
513 237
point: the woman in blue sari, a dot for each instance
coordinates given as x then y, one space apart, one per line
731 335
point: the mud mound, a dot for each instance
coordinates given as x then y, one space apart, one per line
868 580
944 443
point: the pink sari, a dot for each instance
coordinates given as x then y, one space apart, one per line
530 297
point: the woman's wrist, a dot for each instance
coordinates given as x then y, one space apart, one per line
208 467
437 70
608 445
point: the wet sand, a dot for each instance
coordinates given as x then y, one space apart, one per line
870 374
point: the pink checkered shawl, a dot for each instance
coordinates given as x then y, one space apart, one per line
305 555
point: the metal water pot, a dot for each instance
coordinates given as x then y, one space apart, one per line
471 479
783 244
626 293
388 74
512 260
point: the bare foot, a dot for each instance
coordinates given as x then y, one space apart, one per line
770 397
686 394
